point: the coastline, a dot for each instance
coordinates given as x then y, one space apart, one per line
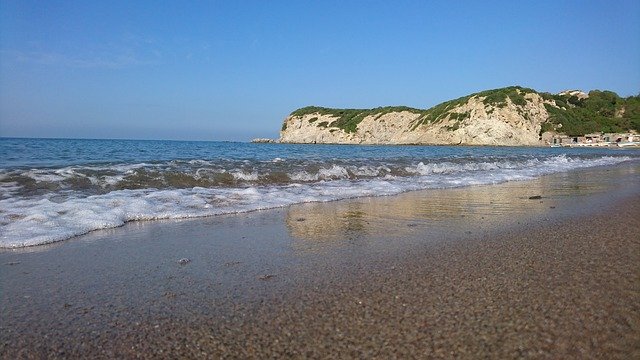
468 272
611 146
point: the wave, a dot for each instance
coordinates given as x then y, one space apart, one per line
93 180
39 206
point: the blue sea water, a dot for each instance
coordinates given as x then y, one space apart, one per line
54 189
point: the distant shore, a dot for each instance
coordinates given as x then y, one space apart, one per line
542 268
626 145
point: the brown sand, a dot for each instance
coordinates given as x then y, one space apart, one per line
470 273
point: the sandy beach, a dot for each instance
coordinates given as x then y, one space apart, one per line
547 268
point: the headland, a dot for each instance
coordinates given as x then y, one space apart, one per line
511 116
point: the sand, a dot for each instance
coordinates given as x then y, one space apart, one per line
481 272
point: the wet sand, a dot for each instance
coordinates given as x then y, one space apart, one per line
481 272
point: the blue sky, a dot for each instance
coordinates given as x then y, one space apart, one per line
232 70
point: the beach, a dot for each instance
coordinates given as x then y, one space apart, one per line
544 268
319 180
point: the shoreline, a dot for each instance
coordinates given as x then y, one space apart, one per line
467 272
611 146
14 239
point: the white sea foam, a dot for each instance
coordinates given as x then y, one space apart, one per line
40 219
241 175
334 172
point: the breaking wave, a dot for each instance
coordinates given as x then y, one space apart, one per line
44 205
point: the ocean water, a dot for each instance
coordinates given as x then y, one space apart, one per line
55 189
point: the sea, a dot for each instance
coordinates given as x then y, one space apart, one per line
55 189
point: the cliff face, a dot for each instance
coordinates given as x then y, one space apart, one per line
468 121
508 116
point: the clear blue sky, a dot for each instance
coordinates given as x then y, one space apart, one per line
232 70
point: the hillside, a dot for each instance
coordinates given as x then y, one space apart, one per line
507 116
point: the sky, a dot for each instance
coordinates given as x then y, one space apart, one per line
233 70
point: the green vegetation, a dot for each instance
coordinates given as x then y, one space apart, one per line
602 111
492 98
498 97
439 111
547 126
455 126
459 116
348 119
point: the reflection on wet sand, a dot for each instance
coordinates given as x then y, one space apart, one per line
314 226
319 226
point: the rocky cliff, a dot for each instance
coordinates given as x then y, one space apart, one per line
507 116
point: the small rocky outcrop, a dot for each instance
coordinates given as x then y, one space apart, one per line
263 141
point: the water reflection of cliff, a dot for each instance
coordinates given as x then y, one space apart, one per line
318 225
